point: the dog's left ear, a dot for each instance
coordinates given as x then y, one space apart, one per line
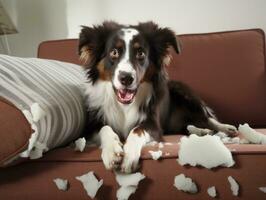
160 40
92 41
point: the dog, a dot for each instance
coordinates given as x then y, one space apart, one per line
131 101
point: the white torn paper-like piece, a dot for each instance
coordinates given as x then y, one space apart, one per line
156 154
168 143
80 144
160 145
90 183
62 184
38 150
226 139
233 185
263 189
30 151
211 191
207 151
129 179
251 134
153 143
124 192
128 183
185 184
37 112
229 140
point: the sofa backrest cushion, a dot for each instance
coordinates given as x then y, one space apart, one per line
227 69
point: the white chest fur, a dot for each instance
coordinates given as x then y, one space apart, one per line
122 118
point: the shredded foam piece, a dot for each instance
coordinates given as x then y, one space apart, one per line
129 179
80 144
128 183
37 112
207 151
90 183
167 154
244 141
234 185
153 143
156 154
263 189
62 184
211 191
227 140
124 192
168 143
160 145
38 150
185 184
251 134
33 137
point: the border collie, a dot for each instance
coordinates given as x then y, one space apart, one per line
130 99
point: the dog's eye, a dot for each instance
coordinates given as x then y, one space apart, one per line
140 55
114 54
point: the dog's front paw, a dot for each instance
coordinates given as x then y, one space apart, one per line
229 129
131 158
112 155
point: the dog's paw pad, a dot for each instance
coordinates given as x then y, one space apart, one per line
112 155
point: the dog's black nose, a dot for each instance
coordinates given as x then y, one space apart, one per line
125 78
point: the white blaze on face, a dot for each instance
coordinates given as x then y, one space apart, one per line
125 65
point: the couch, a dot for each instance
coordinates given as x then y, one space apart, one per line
227 69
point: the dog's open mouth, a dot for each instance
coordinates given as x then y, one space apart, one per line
125 96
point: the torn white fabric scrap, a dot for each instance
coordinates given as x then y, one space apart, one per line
212 191
37 112
263 189
129 179
80 144
233 185
90 183
128 183
185 184
207 151
251 134
156 154
124 192
62 184
160 145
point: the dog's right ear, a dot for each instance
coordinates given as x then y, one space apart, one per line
92 41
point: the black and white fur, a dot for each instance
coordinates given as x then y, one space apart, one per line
131 101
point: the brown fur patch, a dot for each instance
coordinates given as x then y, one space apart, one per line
119 44
85 55
149 73
104 74
136 45
138 131
167 59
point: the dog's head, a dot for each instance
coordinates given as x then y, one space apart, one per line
126 56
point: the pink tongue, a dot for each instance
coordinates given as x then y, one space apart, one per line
125 94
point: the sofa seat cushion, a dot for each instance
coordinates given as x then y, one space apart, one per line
34 179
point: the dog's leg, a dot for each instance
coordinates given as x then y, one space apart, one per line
227 128
136 139
112 151
199 131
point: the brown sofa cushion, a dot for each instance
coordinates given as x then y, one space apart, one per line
227 69
15 131
34 180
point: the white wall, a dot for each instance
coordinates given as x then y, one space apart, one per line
39 20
